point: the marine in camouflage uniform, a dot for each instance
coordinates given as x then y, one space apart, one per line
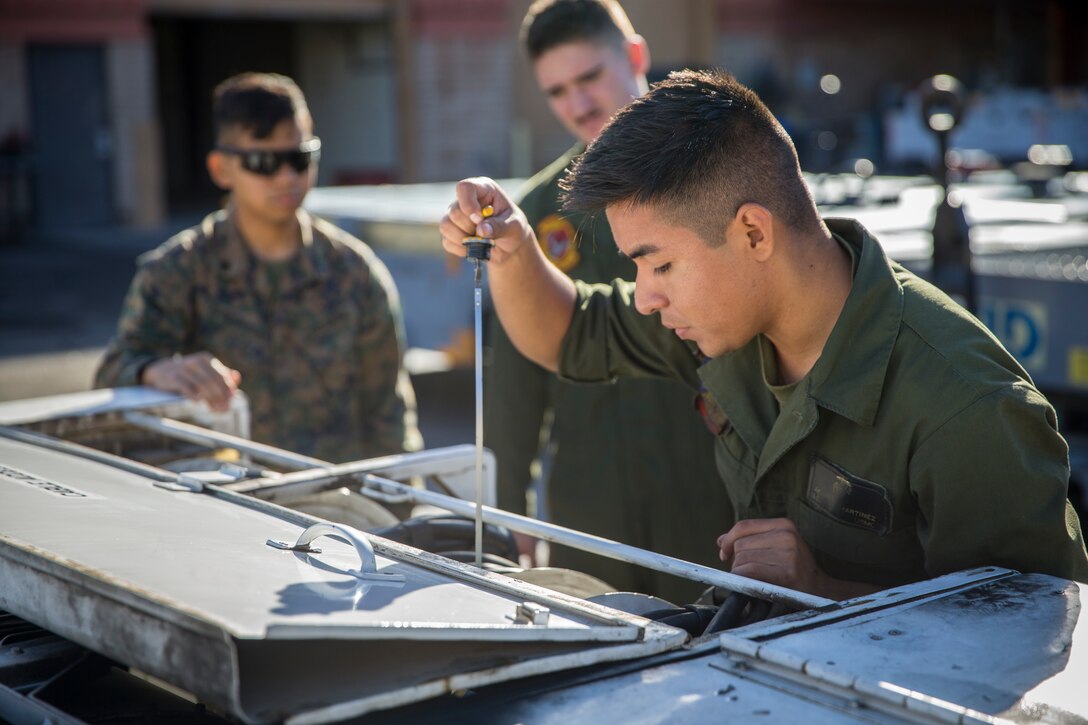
318 339
632 461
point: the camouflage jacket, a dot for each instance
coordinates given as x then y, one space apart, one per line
319 344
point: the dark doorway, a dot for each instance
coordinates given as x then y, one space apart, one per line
193 56
71 144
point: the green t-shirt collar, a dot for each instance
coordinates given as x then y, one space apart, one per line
849 376
236 260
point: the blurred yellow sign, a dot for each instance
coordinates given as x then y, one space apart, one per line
1078 365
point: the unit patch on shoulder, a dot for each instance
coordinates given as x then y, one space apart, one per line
848 499
556 235
717 422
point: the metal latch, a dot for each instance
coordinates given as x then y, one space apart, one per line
531 613
193 481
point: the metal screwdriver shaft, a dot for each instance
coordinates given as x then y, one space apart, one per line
479 251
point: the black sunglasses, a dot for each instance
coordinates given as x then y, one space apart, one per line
267 163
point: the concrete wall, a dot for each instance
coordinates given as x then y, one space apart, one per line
14 117
346 70
427 90
137 162
456 80
119 29
463 128
269 9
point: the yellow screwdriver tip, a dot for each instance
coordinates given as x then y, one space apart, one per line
487 211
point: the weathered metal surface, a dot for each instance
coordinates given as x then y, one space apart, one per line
182 585
1014 648
926 653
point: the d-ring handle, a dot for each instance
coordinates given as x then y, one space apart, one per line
368 564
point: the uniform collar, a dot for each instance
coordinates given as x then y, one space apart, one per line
848 379
734 380
236 258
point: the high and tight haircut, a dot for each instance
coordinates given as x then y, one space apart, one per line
697 147
551 23
257 103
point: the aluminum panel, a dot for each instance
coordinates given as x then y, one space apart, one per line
1014 648
193 552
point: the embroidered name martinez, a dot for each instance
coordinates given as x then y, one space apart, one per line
849 499
864 516
40 483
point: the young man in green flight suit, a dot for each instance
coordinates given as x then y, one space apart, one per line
261 296
871 432
632 462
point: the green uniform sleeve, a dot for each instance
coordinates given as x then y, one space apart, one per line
972 478
156 321
388 410
608 338
515 400
517 391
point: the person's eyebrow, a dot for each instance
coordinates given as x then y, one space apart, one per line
591 73
641 251
581 77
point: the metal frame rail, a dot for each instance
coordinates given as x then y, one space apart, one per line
378 487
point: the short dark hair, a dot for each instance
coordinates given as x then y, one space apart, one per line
550 23
697 147
257 103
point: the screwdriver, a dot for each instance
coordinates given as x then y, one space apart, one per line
479 251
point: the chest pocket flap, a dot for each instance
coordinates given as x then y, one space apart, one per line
850 519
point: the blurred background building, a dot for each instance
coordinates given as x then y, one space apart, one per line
104 104
105 123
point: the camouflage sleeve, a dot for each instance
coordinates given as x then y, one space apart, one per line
155 321
388 407
515 399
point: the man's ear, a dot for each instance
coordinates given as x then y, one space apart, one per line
219 170
756 223
638 54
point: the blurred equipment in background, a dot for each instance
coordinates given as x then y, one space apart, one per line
15 182
942 109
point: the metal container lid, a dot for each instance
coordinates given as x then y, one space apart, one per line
186 586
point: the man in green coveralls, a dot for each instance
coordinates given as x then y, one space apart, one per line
261 296
631 462
871 432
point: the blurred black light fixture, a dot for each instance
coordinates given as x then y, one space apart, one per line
942 110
